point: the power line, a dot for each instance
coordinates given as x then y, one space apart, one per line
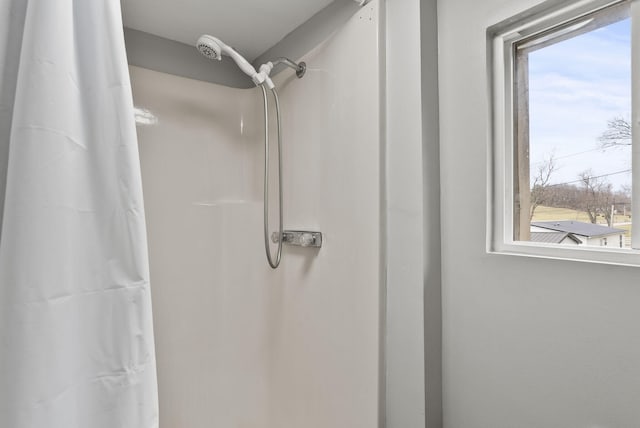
590 177
570 155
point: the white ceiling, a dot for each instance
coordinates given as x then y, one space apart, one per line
249 26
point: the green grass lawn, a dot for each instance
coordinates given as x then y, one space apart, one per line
543 213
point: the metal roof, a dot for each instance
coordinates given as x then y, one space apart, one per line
553 237
589 230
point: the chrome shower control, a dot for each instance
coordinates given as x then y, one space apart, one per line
300 238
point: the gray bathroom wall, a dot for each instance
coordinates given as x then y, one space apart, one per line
432 241
413 351
528 342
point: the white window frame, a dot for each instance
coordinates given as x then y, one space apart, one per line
501 39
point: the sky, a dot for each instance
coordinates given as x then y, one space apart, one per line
576 86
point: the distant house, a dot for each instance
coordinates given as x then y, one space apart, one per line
576 233
551 237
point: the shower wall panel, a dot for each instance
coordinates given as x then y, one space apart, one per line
239 344
200 168
325 307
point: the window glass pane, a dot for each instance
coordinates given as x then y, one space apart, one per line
573 163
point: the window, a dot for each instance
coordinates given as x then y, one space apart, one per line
563 105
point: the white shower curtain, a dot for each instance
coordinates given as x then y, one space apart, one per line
76 338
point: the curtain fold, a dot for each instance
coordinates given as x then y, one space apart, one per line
76 334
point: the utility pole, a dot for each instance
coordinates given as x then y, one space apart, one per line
613 211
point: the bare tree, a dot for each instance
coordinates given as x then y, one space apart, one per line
598 197
618 133
565 196
540 187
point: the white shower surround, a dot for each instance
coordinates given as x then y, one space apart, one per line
239 344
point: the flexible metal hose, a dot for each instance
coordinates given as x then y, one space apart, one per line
266 178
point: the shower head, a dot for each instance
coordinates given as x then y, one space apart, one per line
213 48
210 47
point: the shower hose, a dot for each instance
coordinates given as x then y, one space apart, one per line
273 263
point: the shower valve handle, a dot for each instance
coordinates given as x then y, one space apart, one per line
299 238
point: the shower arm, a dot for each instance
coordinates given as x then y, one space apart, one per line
300 68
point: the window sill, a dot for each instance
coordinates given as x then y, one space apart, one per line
610 256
